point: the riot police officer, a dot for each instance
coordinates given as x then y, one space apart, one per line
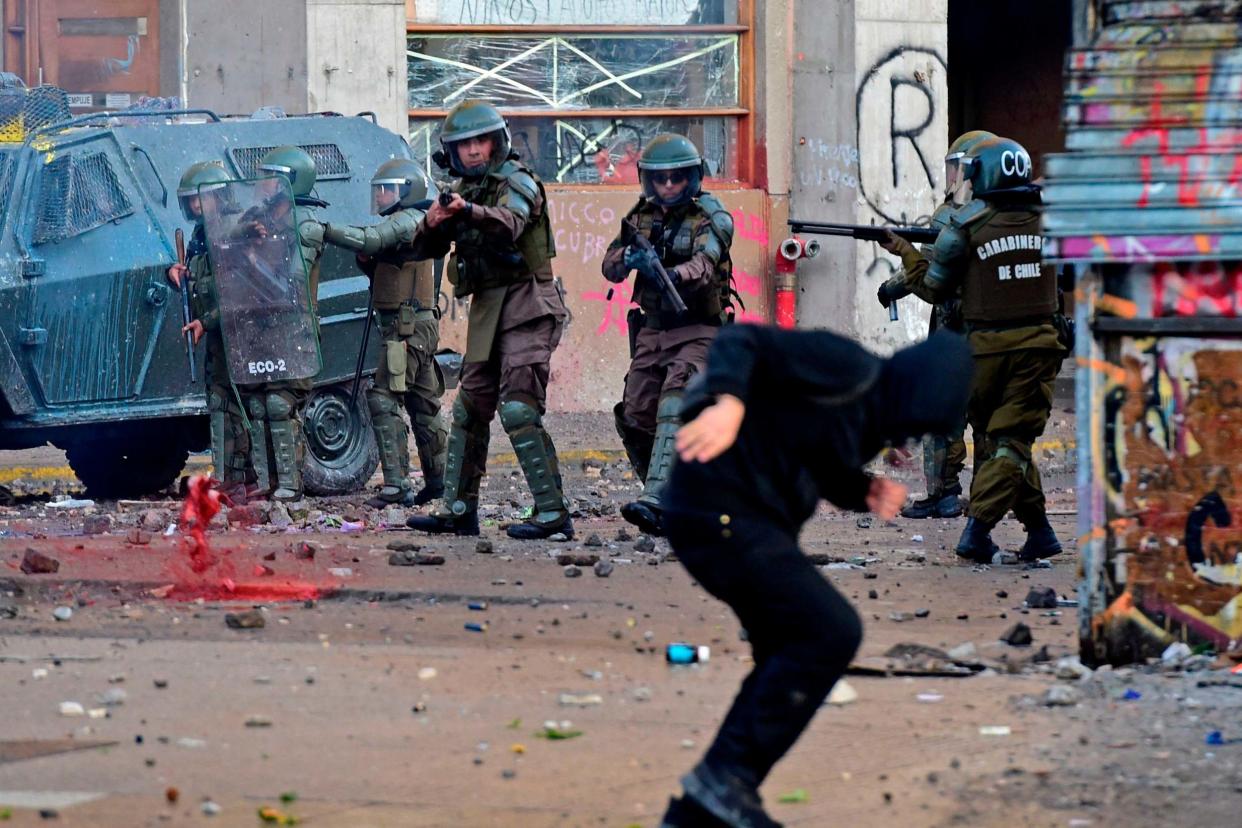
690 233
230 440
944 455
404 293
275 408
497 218
991 251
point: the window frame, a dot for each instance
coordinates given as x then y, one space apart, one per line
743 113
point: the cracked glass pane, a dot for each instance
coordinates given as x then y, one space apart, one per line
577 150
575 12
562 72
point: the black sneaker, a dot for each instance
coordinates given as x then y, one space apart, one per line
467 524
647 517
529 530
726 798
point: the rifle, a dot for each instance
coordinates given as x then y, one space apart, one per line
865 232
179 236
665 282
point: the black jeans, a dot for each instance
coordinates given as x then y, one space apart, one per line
802 632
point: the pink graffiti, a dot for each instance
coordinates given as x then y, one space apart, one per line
1195 289
747 283
1137 248
616 301
750 227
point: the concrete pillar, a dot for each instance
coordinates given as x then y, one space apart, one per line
356 59
870 122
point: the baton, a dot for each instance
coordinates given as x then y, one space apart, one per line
179 237
892 311
362 352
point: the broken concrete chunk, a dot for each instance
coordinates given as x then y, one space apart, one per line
1019 635
1041 598
36 563
248 620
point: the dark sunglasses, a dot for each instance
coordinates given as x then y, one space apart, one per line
674 177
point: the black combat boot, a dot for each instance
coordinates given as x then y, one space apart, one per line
947 504
684 812
433 490
440 523
1041 541
648 517
535 530
976 542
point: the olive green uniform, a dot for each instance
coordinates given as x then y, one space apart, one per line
502 259
404 292
693 242
1008 302
230 438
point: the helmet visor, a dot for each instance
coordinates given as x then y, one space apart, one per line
191 205
384 195
952 172
671 187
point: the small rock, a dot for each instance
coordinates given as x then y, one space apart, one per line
113 697
1061 695
96 524
258 721
394 516
403 546
922 613
917 538
36 563
899 617
270 556
1071 669
210 808
1041 598
153 520
279 516
1000 593
248 620
1019 635
340 571
645 544
580 699
1004 558
49 813
62 613
863 522
427 673
641 694
872 594
8 610
570 559
843 693
916 556
72 708
558 537
160 683
303 550
1175 653
594 541
623 535
603 569
572 571
483 547
415 559
138 537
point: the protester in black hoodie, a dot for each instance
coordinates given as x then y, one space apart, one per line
780 420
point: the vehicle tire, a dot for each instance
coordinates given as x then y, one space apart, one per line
341 454
114 469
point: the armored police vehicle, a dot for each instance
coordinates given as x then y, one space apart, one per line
91 355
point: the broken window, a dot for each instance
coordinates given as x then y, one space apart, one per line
584 84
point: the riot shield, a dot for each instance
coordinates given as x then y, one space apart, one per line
262 291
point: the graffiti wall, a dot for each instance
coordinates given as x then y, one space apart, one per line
588 369
1172 475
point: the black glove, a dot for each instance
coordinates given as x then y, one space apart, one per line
882 294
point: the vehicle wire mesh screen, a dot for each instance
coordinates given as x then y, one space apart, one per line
76 194
329 160
22 111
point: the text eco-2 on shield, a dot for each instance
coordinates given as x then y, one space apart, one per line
262 290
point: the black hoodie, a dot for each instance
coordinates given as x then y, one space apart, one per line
818 408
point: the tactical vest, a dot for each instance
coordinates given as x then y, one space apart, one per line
481 260
673 241
1006 280
400 278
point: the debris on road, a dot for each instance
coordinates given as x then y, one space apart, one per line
1019 635
248 620
36 563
